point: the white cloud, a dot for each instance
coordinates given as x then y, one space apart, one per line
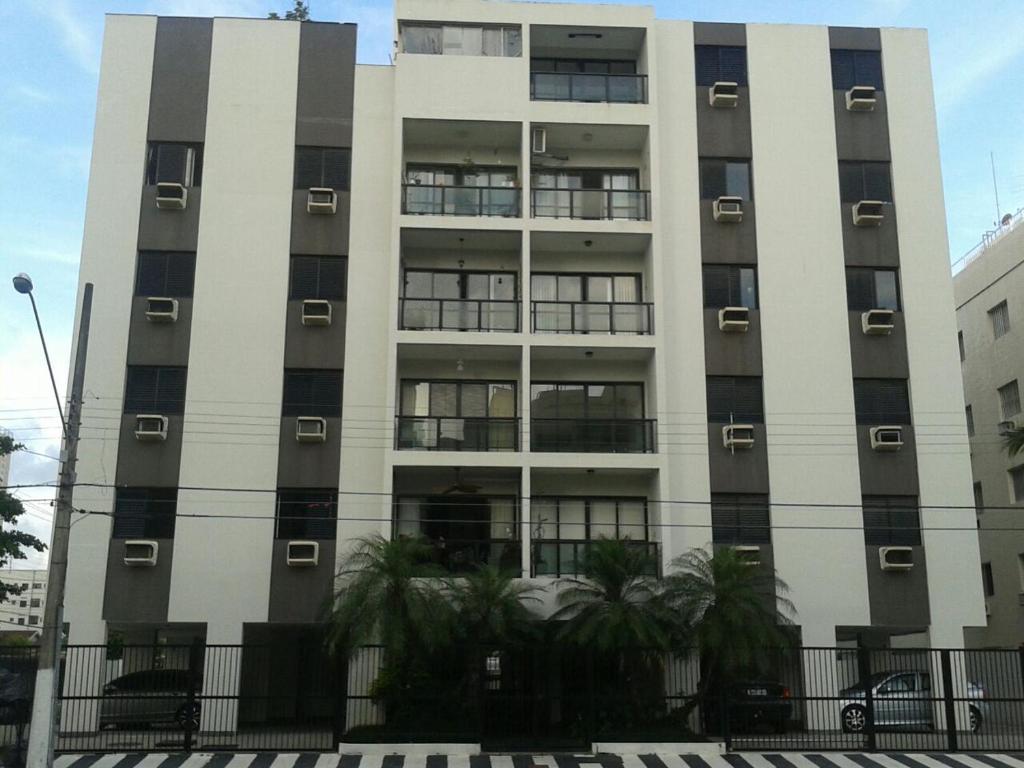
81 40
963 65
30 93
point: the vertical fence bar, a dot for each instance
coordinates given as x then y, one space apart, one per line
864 672
947 695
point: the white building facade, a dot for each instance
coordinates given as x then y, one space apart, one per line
23 612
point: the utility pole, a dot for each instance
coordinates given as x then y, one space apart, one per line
43 729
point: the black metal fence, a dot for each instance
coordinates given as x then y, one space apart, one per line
17 686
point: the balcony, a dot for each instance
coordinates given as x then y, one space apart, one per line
445 200
604 317
588 87
469 555
592 435
444 433
591 204
483 315
565 557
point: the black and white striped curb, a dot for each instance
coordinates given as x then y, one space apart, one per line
746 760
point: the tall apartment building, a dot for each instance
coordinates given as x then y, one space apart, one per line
23 612
558 272
989 292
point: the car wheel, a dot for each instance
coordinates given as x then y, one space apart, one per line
975 721
855 719
187 716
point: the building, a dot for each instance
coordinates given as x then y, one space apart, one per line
558 272
24 612
989 294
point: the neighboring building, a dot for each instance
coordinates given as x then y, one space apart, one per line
482 300
989 291
24 612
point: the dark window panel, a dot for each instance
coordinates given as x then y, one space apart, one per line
144 513
176 163
721 177
312 393
740 518
721 63
588 401
850 68
322 167
868 289
891 521
317 277
155 389
735 399
881 401
726 285
165 273
307 514
864 181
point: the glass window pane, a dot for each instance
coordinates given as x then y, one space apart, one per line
748 288
492 42
712 179
627 288
446 285
474 400
600 401
599 288
543 518
477 286
602 519
632 520
501 401
737 180
513 41
544 288
629 401
571 399
503 287
572 519
418 39
544 401
886 296
418 285
408 517
570 288
443 398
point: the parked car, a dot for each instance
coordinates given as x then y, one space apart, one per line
902 699
149 697
752 705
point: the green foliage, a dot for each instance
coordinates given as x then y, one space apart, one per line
13 542
491 607
299 12
1013 441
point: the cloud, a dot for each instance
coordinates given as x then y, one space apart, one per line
30 93
974 62
79 39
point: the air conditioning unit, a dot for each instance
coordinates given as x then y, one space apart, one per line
1006 428
303 553
896 558
150 427
160 310
728 209
310 429
886 438
750 555
877 322
738 436
734 319
539 141
724 94
316 312
139 552
322 200
171 196
861 98
868 213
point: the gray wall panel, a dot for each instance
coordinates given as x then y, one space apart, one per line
310 346
745 471
879 356
719 33
870 246
317 234
152 343
308 465
723 132
885 473
728 243
861 135
732 354
135 593
898 598
181 79
298 594
855 38
149 463
164 230
327 54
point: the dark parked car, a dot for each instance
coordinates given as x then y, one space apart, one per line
149 697
752 705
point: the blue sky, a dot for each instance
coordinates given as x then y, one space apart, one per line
48 90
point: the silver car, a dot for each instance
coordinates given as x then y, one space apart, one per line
149 697
902 699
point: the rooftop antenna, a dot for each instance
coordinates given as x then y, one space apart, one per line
995 188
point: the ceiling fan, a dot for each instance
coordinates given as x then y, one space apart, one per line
460 487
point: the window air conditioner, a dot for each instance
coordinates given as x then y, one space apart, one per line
316 312
861 98
310 429
728 209
140 552
1005 428
303 553
886 438
150 427
877 321
750 555
734 319
738 436
171 196
160 310
322 200
724 94
868 213
896 558
539 141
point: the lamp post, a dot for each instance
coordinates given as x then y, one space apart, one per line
41 733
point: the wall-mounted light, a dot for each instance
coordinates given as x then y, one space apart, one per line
591 35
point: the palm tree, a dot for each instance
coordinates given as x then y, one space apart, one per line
491 607
1013 441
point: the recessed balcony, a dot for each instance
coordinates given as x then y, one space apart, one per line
464 433
600 317
592 435
587 64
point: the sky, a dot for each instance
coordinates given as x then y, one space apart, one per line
47 106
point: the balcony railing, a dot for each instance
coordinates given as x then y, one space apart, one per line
467 555
579 86
565 203
458 315
592 317
443 433
592 435
565 557
438 200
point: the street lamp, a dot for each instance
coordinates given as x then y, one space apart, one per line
23 284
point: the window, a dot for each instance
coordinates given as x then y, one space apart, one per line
969 412
34 602
459 399
1000 316
584 66
864 181
726 285
37 585
168 274
721 64
1017 481
33 620
850 68
21 620
979 498
579 517
23 604
986 579
317 277
881 401
461 39
724 178
868 289
24 585
325 167
587 401
740 518
624 288
735 399
960 343
307 514
312 393
158 389
174 163
461 284
1009 400
891 521
144 513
